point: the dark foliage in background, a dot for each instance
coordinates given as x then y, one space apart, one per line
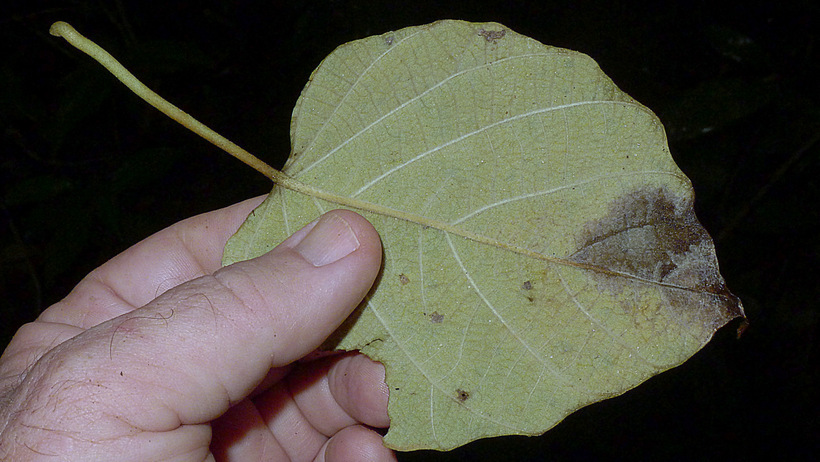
87 169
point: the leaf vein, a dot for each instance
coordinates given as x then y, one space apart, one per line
495 312
556 189
353 85
400 107
481 130
598 322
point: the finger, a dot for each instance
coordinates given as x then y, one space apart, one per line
241 434
287 429
357 383
177 254
187 356
274 424
356 443
341 391
303 411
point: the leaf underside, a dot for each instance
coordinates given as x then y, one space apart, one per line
541 251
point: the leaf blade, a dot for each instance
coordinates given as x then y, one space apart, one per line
541 252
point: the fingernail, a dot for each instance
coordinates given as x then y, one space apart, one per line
330 240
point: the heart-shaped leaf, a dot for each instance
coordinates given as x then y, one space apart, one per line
541 251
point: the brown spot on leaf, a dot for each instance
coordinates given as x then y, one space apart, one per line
492 35
462 395
403 279
436 318
527 287
651 237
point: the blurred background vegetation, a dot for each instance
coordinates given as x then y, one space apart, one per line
87 169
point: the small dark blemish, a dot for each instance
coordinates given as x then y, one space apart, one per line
492 35
403 279
462 395
526 287
436 318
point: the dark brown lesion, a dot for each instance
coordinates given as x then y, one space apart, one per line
652 236
492 35
462 395
640 234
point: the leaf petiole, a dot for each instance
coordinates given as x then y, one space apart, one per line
64 30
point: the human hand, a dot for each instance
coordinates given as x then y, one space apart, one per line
161 355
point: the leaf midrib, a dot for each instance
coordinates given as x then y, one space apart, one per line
303 188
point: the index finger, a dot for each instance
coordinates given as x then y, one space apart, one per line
184 251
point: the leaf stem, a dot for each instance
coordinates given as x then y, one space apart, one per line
64 30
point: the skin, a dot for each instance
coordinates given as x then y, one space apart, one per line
160 355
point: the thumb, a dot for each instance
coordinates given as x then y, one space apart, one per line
287 302
256 315
185 357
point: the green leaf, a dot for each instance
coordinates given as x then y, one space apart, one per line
541 252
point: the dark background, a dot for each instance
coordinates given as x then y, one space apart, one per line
87 169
